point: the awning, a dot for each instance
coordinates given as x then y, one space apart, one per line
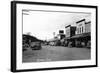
81 35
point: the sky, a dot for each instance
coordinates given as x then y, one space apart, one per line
43 24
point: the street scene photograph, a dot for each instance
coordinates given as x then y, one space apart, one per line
55 36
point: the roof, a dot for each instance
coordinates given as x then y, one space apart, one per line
29 37
87 22
80 21
67 26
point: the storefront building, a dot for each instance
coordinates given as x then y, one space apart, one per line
82 36
70 31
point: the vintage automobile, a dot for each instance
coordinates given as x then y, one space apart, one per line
36 45
52 43
25 47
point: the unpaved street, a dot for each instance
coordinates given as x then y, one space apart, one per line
56 53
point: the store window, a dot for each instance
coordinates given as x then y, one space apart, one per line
82 29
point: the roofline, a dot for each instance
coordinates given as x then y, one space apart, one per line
67 26
80 21
87 22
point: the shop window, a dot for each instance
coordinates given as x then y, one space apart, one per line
82 29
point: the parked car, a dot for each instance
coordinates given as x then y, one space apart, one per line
51 43
36 45
25 47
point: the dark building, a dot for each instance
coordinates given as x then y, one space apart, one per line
61 34
70 31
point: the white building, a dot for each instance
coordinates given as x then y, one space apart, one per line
83 26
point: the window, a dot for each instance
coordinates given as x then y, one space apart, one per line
82 29
77 30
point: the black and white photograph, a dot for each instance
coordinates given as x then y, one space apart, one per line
54 35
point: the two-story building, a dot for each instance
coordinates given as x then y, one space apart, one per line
80 27
69 32
83 33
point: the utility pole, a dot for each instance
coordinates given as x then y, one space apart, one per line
54 34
